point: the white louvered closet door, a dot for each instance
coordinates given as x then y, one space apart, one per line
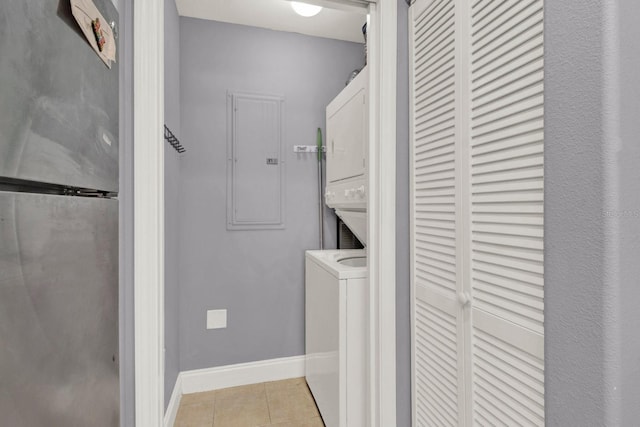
507 212
436 242
477 212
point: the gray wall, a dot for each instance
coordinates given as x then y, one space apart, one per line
577 317
592 213
627 159
258 276
403 309
127 390
171 196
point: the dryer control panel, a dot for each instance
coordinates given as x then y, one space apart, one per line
351 194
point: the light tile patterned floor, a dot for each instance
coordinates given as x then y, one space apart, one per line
285 403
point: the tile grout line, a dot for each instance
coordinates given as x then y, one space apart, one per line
213 416
266 396
268 404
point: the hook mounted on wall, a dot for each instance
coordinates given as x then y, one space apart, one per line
171 139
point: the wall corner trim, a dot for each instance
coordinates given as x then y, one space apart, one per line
208 379
174 403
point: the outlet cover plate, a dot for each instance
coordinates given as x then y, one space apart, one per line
216 319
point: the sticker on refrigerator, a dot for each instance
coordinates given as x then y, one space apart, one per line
96 29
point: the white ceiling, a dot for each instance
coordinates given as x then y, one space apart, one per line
277 15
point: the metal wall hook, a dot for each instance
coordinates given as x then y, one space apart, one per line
173 141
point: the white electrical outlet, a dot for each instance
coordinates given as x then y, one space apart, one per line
216 319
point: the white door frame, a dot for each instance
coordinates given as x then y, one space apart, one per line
148 175
148 33
381 228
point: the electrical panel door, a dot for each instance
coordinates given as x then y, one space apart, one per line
255 196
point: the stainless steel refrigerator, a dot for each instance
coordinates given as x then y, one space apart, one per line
58 220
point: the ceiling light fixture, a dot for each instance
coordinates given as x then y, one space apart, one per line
304 9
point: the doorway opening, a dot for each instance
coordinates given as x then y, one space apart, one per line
149 221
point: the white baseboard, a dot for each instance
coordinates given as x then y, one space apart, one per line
242 374
174 404
200 380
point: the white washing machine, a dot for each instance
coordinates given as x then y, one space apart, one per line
335 302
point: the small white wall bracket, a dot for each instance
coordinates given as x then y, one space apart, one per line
307 149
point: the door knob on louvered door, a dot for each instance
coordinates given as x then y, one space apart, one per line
464 298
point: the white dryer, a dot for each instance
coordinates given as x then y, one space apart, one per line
347 141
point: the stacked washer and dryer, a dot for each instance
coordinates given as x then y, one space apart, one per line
336 280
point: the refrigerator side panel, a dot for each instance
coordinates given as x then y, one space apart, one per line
58 100
58 311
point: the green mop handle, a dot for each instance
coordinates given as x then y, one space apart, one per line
319 145
320 199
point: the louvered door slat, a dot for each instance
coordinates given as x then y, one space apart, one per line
510 60
522 139
508 99
503 23
435 35
432 64
433 173
436 111
483 8
436 361
491 61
